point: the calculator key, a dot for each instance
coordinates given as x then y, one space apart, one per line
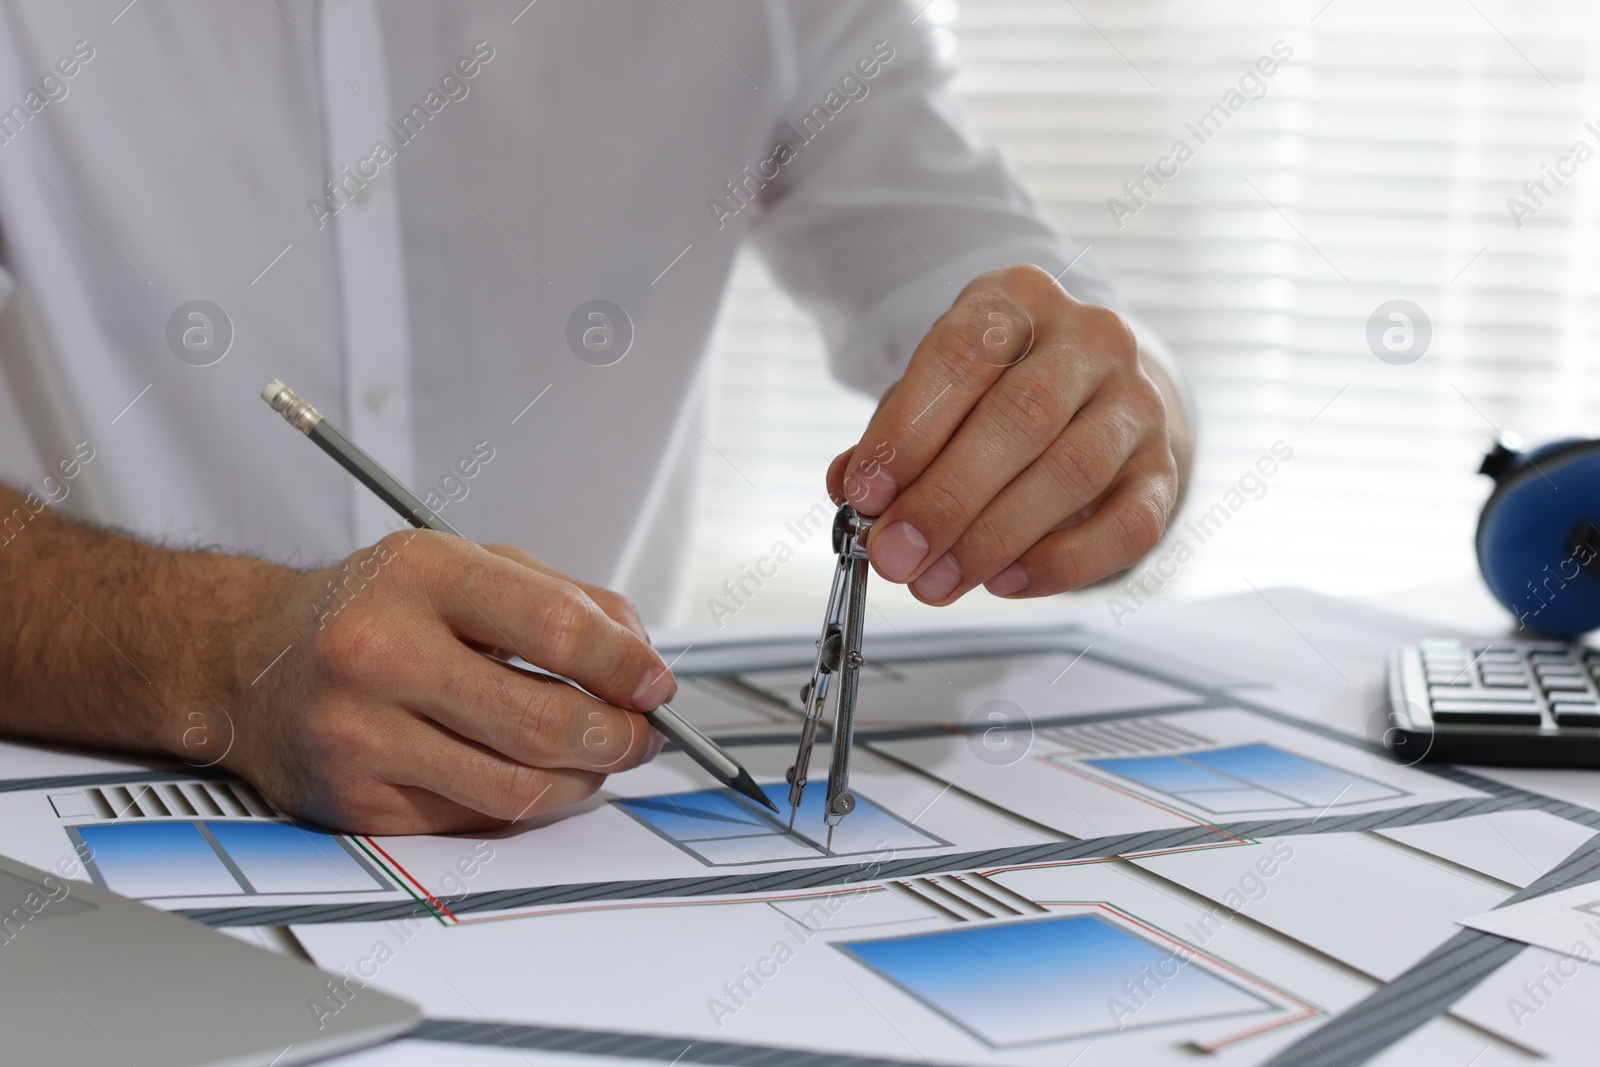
1570 670
1576 714
1481 696
1486 714
1446 644
1453 699
1513 681
1490 696
1455 678
1474 704
1565 685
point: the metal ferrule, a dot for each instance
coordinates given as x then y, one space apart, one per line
299 413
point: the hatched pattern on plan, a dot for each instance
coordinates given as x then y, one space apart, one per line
1124 737
165 800
964 897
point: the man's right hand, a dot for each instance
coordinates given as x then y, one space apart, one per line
385 714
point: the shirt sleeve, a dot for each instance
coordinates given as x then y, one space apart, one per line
886 204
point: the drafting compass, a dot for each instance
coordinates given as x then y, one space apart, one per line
838 652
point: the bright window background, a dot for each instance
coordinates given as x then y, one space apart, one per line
1377 166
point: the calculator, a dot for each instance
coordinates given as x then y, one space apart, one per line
1494 702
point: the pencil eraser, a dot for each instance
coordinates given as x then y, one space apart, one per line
273 388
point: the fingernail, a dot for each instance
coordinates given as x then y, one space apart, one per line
938 580
871 493
1009 581
653 749
655 689
898 550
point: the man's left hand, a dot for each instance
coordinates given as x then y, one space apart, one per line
1027 448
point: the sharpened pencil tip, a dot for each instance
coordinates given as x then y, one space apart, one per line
747 785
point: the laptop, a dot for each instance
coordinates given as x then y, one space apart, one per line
88 977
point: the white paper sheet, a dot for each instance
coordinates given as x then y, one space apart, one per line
1041 686
1193 768
716 707
1542 1000
1567 921
665 821
1516 847
180 843
876 974
1362 902
22 760
1581 787
1324 656
1447 1040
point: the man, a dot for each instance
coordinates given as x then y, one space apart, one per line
489 240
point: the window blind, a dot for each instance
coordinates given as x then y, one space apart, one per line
1440 152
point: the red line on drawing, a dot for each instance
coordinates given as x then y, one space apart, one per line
407 876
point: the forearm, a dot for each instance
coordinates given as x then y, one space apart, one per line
110 642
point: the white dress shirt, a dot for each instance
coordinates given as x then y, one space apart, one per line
407 211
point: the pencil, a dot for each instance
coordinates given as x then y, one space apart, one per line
309 421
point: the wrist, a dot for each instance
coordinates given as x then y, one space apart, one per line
230 647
